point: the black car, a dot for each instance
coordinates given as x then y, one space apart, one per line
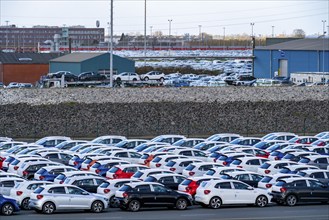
135 195
169 180
91 76
298 189
87 183
68 76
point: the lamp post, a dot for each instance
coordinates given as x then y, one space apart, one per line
324 37
111 46
324 25
272 31
145 33
252 29
170 20
7 35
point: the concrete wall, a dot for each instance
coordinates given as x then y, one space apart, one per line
151 118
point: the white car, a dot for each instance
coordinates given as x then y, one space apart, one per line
221 171
268 181
178 165
194 153
15 165
126 76
21 192
49 173
47 199
109 188
10 159
64 175
153 75
162 160
216 193
248 163
188 142
109 139
225 137
128 155
102 166
52 141
273 167
198 168
143 174
168 138
7 183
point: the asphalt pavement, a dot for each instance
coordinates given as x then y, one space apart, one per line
271 212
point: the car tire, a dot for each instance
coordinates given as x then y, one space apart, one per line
97 206
25 204
114 203
181 204
48 208
261 201
134 79
291 200
215 202
134 205
161 79
7 209
146 78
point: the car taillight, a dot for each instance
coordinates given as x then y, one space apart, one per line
191 173
158 165
39 196
224 163
276 158
268 185
115 176
107 190
188 189
172 169
97 171
283 189
61 182
25 173
267 171
206 192
125 195
146 161
41 177
321 144
2 158
15 167
298 141
239 166
19 193
215 159
75 163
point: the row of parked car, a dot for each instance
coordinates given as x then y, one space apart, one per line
58 173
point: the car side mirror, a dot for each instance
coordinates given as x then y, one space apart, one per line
250 188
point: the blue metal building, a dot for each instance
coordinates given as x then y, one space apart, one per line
304 55
94 62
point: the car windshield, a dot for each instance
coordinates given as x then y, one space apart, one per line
300 173
113 170
304 160
210 172
236 141
121 143
179 143
104 185
138 174
236 162
157 159
285 170
60 177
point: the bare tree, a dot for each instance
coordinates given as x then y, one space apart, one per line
299 33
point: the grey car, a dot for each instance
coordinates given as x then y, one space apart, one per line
48 199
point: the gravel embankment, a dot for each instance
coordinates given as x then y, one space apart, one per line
154 95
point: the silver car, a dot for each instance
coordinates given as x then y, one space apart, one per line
47 199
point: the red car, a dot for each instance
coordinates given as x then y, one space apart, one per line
303 140
124 171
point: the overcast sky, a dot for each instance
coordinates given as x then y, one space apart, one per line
187 15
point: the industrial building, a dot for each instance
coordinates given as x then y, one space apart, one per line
91 62
24 67
282 59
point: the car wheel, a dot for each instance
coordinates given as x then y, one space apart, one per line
134 79
119 79
291 200
7 209
261 201
25 204
215 203
48 208
97 206
146 78
134 205
161 79
181 204
114 203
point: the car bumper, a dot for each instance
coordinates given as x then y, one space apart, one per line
277 197
35 204
201 199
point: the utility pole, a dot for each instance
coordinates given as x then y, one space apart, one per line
7 34
111 47
252 29
170 20
145 33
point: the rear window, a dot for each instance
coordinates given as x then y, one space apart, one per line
210 172
304 160
96 165
41 171
113 169
15 162
275 153
280 183
60 177
265 165
288 156
171 163
223 157
266 179
87 161
190 167
150 179
145 156
138 174
104 185
39 190
75 157
301 173
186 182
236 162
285 170
125 188
157 159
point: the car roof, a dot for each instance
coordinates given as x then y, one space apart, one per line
314 171
234 173
74 178
133 185
313 157
157 176
122 166
289 180
57 167
11 178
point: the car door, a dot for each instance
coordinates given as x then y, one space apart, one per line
322 163
86 184
134 157
145 194
58 194
252 165
163 196
303 191
242 194
78 198
225 192
6 186
319 191
169 182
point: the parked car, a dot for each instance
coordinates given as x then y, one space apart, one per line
52 141
49 173
7 183
169 180
126 76
21 192
134 196
321 175
299 189
321 161
8 205
225 137
88 183
216 193
101 167
68 76
191 184
64 175
198 168
91 76
250 178
246 141
273 167
268 181
161 160
143 174
170 139
178 165
153 75
28 169
56 197
244 80
248 163
124 171
303 140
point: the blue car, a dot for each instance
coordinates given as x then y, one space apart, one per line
8 205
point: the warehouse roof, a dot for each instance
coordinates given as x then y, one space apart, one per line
24 58
76 57
302 44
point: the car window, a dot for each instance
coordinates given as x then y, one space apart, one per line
135 155
242 177
158 188
143 188
179 179
253 162
205 167
315 184
33 186
224 185
75 191
10 183
166 179
122 154
280 165
52 156
85 182
57 190
186 153
256 177
321 160
240 185
317 175
199 154
130 170
119 184
56 171
300 183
